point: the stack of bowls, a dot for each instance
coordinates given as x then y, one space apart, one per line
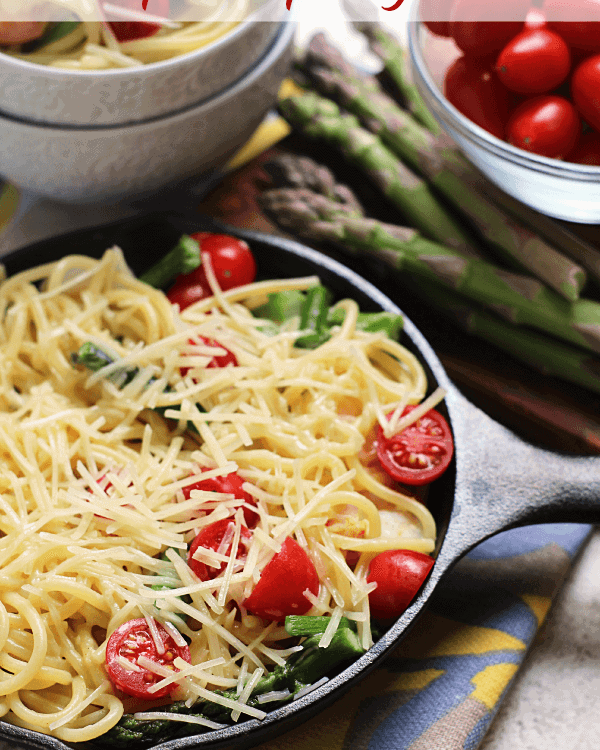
122 134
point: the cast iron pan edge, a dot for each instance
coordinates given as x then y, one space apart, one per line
498 480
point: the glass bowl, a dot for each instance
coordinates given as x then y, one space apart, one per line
553 187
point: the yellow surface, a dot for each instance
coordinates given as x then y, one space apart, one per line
539 605
491 682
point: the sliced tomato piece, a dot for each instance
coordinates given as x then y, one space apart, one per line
399 574
184 293
420 453
230 484
219 360
214 537
130 642
281 586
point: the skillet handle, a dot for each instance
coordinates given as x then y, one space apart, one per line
503 482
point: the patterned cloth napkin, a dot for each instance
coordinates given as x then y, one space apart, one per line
443 685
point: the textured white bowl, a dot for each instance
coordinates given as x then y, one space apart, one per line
84 165
42 94
553 187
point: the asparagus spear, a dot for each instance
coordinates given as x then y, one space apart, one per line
183 258
442 166
393 56
95 358
302 669
321 119
543 354
520 299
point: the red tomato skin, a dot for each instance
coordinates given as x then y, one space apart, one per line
417 438
230 484
585 90
219 360
122 642
547 125
577 21
472 86
185 294
435 15
587 150
128 31
279 591
474 31
232 261
399 574
534 62
210 537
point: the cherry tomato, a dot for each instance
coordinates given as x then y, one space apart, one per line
432 10
219 360
281 586
474 31
472 86
577 21
534 62
585 90
587 150
535 19
399 574
211 537
230 484
420 453
547 125
128 31
185 294
132 640
19 32
232 261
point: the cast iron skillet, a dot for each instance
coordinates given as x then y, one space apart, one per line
497 481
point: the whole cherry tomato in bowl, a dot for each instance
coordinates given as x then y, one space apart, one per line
577 21
587 150
547 125
535 61
585 89
478 30
473 87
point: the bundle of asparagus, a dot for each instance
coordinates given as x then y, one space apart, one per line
442 277
440 165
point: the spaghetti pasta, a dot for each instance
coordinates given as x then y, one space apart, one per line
95 485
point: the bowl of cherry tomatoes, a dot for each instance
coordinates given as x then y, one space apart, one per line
519 93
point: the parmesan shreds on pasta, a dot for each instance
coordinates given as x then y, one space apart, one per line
95 498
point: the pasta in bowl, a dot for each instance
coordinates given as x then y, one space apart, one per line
82 71
190 497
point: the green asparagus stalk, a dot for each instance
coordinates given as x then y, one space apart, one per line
393 55
322 119
182 259
521 299
95 358
302 669
442 166
539 352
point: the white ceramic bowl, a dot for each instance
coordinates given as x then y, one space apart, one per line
42 94
553 187
85 165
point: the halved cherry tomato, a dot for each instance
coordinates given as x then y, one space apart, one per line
587 150
230 484
128 31
534 62
399 574
219 360
585 89
473 87
476 33
211 537
420 453
281 586
547 125
132 640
